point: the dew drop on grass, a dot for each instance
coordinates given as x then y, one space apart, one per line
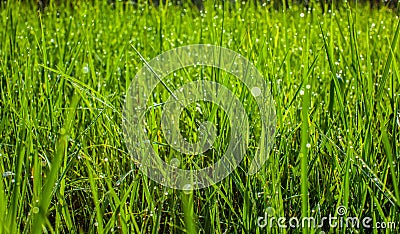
270 211
8 173
85 69
35 210
256 91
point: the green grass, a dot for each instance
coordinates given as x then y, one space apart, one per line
64 74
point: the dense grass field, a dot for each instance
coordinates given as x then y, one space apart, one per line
65 72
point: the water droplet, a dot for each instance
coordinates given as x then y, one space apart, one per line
270 211
86 69
8 173
35 210
256 91
62 131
